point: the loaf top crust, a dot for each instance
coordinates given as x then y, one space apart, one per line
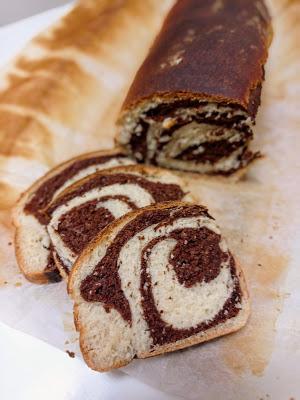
213 50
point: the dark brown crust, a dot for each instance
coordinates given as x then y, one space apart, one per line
211 50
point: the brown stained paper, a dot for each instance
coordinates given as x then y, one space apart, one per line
259 215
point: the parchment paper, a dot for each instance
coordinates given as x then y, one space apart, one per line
260 216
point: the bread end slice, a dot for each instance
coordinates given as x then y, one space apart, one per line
32 242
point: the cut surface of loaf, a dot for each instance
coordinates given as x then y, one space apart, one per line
156 280
88 206
193 102
33 245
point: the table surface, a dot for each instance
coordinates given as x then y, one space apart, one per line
31 369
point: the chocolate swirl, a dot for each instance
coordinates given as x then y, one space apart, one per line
83 212
159 191
181 252
59 179
48 189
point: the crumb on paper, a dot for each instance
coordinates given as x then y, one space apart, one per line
70 353
9 243
18 284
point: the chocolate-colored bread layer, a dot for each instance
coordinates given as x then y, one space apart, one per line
194 100
86 208
157 279
34 249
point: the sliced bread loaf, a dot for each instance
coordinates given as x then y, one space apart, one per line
32 242
156 280
88 206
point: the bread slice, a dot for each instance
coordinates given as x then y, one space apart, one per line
32 242
88 206
157 280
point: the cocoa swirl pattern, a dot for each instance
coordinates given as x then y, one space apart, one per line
57 181
159 191
46 192
78 226
79 215
174 118
181 256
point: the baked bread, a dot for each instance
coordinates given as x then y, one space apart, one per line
193 102
32 242
156 280
91 204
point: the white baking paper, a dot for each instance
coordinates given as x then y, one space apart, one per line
260 216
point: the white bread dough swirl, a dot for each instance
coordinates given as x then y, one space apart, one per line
157 280
88 206
33 245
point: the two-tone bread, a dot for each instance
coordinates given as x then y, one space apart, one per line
33 245
88 206
193 103
157 280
